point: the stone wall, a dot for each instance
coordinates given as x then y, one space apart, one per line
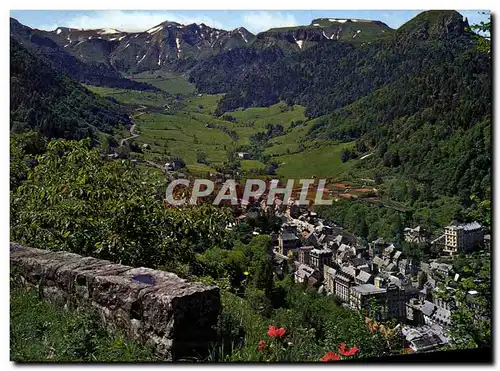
159 308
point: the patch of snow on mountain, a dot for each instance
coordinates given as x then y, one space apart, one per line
159 59
154 29
108 31
178 42
144 56
121 38
126 46
338 20
58 31
315 24
299 42
243 36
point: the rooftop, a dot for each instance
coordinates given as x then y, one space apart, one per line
368 288
286 236
465 226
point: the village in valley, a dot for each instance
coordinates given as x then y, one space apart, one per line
375 278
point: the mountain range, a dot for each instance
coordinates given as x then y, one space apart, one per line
166 44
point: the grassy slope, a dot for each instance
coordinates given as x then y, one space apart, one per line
322 162
133 97
169 82
193 128
42 332
186 132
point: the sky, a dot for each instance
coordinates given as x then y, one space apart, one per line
254 21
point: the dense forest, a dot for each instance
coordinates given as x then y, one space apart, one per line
50 102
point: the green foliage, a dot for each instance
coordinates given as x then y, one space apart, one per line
44 100
23 151
471 319
42 332
77 201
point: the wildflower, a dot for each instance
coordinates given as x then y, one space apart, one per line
347 352
276 332
367 320
261 346
372 327
330 357
246 273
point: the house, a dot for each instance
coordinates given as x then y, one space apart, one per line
306 274
310 238
367 298
288 242
397 297
441 268
363 278
244 155
329 275
416 235
424 338
379 263
320 257
344 279
408 267
375 247
425 312
341 240
174 165
460 237
397 255
344 253
304 252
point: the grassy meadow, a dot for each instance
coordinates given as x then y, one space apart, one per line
187 127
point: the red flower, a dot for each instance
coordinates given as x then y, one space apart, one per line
330 357
276 332
347 352
261 345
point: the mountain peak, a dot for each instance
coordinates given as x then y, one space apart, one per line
436 24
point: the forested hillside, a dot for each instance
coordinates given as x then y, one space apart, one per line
420 100
330 75
50 102
88 72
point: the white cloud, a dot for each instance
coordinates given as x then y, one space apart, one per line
264 20
129 21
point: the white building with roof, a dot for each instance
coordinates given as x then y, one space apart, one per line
462 237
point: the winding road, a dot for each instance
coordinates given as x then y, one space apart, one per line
133 135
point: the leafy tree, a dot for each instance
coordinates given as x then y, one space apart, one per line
56 208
